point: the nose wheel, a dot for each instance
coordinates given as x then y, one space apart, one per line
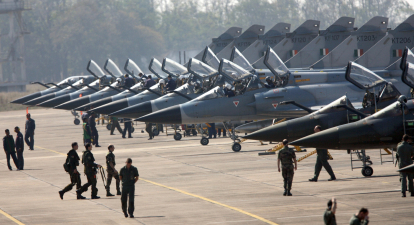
204 141
177 136
76 121
367 171
236 147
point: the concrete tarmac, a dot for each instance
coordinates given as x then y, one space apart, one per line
182 182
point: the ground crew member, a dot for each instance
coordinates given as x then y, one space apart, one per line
148 128
404 155
361 218
322 160
90 171
29 131
270 83
19 144
219 132
127 127
197 88
212 130
9 149
228 92
287 157
129 176
112 172
142 76
86 132
94 131
129 82
171 84
329 216
115 124
368 100
72 161
149 82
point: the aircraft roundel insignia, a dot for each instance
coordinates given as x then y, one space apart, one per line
274 105
236 103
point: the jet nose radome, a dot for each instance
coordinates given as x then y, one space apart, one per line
55 101
94 104
72 104
111 107
26 98
276 132
40 99
328 139
134 111
171 115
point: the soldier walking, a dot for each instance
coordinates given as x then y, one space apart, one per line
29 131
287 157
112 172
94 131
127 127
148 128
19 147
86 132
115 124
72 161
322 160
90 168
129 176
404 155
9 149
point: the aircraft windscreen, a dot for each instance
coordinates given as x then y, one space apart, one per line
113 68
211 59
133 67
254 84
390 111
216 92
137 86
409 76
95 69
410 56
201 69
331 106
275 64
173 67
233 71
185 89
240 60
155 67
364 76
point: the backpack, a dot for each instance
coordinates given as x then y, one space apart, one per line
66 165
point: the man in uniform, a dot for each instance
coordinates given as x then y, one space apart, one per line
86 132
142 76
9 149
404 156
287 157
129 82
329 216
129 176
269 83
171 84
368 100
29 131
149 82
115 124
112 172
148 128
94 131
72 161
90 171
127 127
361 218
228 92
322 160
19 147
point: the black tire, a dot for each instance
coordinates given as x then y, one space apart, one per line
204 141
76 121
109 126
177 136
236 147
155 131
367 171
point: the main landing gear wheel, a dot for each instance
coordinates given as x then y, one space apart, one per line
155 131
236 147
109 126
367 171
204 141
177 136
76 121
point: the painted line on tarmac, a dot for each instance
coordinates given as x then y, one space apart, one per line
193 195
212 201
11 217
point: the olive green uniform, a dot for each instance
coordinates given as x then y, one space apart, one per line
128 188
110 159
329 217
322 160
355 221
73 161
286 157
404 156
90 171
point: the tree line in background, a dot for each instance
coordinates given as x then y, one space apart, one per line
66 34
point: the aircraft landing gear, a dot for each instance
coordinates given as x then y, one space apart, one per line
367 171
177 136
236 147
204 141
76 121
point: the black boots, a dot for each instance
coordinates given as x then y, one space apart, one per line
289 194
403 194
95 197
118 193
313 180
61 193
285 192
79 195
108 194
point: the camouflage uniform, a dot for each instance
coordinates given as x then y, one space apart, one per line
90 171
110 158
286 157
322 160
73 161
404 154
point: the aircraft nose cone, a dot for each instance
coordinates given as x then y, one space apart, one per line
40 99
111 107
134 111
171 115
324 139
94 104
26 98
55 101
72 104
276 132
407 169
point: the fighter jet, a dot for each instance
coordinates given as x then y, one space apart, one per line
109 90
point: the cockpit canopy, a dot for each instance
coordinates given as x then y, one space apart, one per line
173 68
233 71
216 92
363 77
210 58
276 66
238 58
200 69
155 67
